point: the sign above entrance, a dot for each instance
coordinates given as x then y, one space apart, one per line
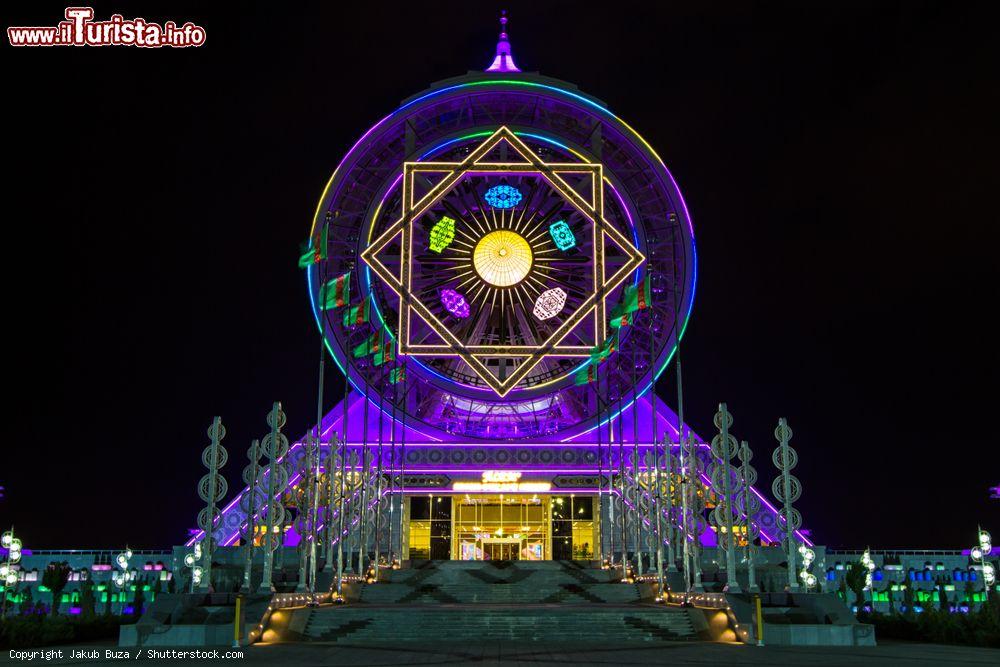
501 481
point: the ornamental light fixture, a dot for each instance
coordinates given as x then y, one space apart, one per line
979 553
442 234
8 574
603 233
808 556
549 303
562 235
503 196
502 258
455 303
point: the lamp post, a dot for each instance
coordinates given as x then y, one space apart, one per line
979 553
869 565
787 489
251 503
8 575
749 505
807 577
724 447
212 488
275 447
122 578
191 560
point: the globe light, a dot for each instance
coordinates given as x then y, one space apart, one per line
455 303
197 550
11 578
985 542
6 539
977 553
549 303
811 580
4 571
189 560
502 258
503 196
122 561
989 574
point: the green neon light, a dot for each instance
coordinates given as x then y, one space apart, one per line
442 234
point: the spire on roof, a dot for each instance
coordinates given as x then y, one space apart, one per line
504 61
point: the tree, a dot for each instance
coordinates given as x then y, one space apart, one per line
139 598
908 598
942 596
27 601
54 578
87 600
855 577
108 592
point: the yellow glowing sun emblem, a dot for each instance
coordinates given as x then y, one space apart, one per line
502 258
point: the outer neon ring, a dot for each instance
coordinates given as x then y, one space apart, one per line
561 91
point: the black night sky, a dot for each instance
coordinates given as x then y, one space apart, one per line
839 160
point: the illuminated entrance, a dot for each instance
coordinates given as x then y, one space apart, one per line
497 526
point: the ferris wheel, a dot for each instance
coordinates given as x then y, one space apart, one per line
509 260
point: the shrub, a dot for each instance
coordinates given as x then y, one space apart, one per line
42 630
975 628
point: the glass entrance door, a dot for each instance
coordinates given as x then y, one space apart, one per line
501 527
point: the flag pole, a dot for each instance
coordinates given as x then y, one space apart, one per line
315 446
392 462
378 460
365 463
636 518
342 500
600 462
680 399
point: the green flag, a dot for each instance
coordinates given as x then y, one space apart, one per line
585 375
335 293
635 297
602 352
314 250
370 346
358 314
387 351
622 321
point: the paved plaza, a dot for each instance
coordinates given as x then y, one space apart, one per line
503 653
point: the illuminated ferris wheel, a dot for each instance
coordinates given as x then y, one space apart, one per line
509 259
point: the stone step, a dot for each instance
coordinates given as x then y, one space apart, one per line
351 624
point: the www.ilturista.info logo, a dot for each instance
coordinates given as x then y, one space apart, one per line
79 29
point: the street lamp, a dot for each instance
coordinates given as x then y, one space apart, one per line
122 578
808 556
979 554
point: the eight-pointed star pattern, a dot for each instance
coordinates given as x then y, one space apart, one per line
451 174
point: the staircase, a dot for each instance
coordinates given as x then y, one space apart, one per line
455 601
502 582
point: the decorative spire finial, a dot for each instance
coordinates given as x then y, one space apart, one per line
504 61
